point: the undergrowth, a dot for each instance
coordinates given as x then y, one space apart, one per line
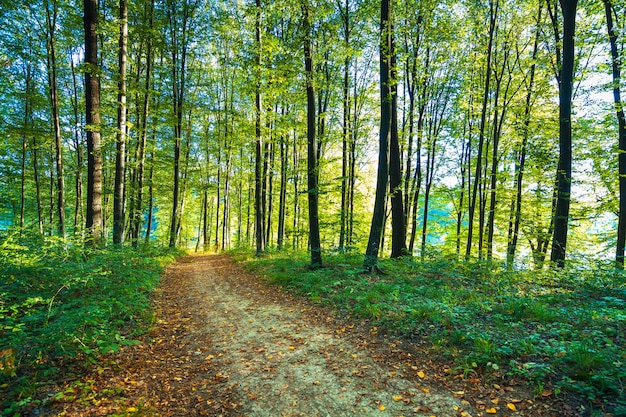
561 331
60 301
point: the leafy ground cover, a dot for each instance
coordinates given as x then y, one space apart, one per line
60 302
563 332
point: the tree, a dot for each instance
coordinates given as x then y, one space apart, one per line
398 219
564 170
621 122
386 114
312 168
51 25
92 107
120 155
259 213
179 43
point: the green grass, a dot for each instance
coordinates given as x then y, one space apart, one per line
60 301
562 330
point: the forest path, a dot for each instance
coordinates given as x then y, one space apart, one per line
228 344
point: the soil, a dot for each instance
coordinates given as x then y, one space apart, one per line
226 343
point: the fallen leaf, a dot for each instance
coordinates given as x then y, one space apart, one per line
382 407
491 410
421 374
511 407
398 398
495 401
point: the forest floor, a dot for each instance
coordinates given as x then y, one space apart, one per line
226 343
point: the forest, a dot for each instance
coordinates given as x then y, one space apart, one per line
216 125
483 139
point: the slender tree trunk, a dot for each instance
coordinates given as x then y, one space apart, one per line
564 171
282 203
520 163
179 39
398 225
51 23
78 212
92 116
378 217
483 122
498 121
40 214
346 131
120 155
312 167
259 214
150 198
27 131
296 194
621 121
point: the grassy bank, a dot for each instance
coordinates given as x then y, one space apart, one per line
60 302
561 331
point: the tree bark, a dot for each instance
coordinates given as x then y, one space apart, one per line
621 121
120 155
92 117
312 168
51 23
398 218
520 162
370 262
564 170
259 215
481 138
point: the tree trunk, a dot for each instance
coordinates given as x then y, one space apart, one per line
259 215
92 117
28 77
179 38
346 131
483 122
398 225
312 168
51 24
621 121
370 262
282 203
564 170
520 163
120 155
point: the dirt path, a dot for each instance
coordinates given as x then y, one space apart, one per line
225 343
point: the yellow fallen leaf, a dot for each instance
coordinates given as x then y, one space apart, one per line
131 410
425 390
421 374
491 411
382 407
511 407
495 401
398 398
